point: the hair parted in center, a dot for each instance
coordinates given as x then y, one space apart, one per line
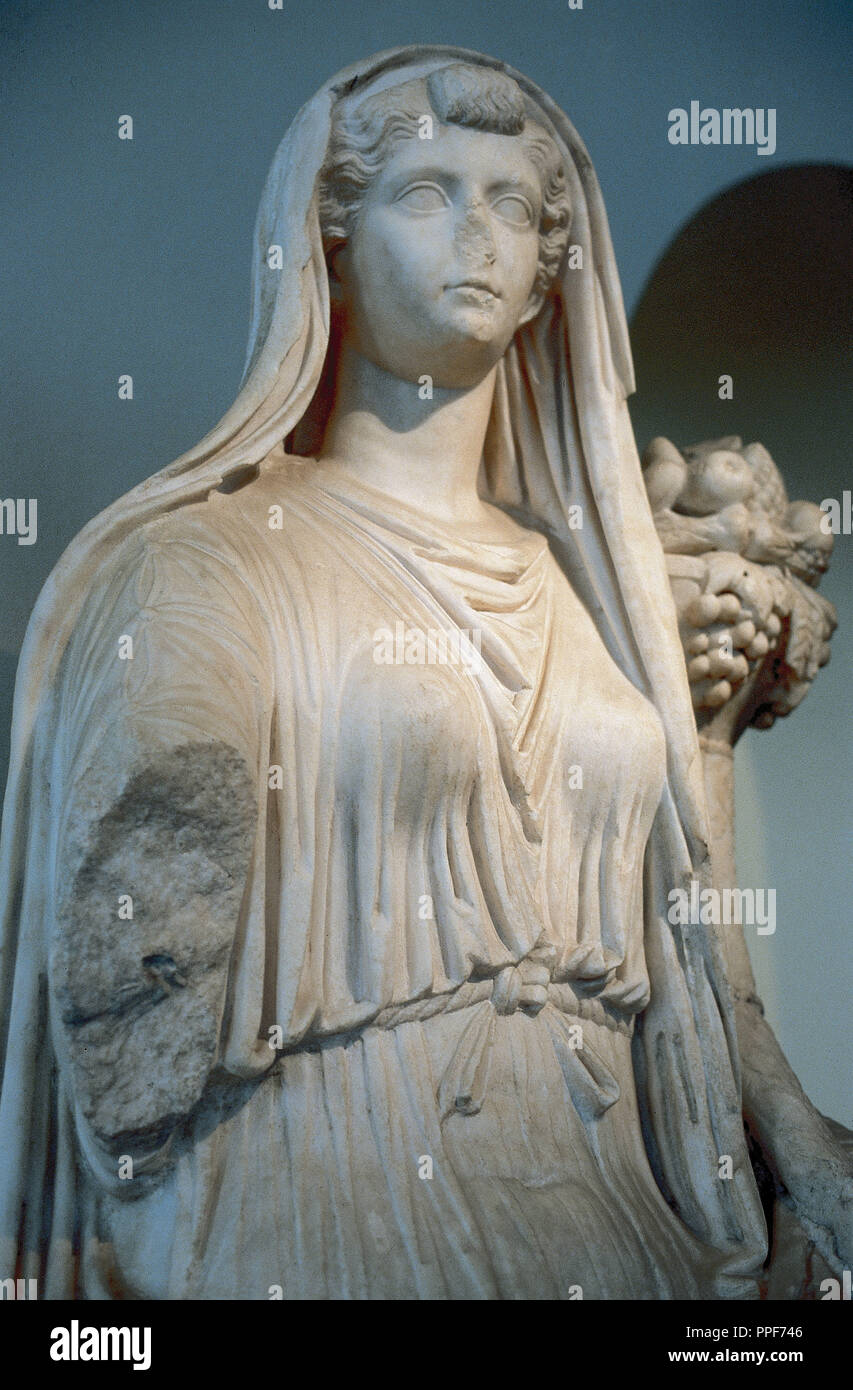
364 136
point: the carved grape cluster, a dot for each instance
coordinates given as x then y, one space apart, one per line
751 622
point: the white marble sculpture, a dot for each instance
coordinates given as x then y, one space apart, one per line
353 765
743 564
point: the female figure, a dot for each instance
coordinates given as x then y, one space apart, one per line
354 764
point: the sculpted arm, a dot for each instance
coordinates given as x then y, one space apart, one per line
158 745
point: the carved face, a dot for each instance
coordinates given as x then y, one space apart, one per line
439 271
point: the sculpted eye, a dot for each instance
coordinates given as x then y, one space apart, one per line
423 197
515 209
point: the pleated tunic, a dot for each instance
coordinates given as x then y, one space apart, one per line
442 920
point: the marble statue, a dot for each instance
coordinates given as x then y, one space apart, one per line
744 563
354 764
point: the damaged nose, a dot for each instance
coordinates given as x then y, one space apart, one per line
476 240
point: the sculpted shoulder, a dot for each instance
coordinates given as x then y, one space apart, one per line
200 554
213 554
278 499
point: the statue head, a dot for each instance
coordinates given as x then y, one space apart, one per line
445 217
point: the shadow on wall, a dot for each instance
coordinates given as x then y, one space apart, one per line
759 287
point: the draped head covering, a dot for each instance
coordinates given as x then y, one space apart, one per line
559 436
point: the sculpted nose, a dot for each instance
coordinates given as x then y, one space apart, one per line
475 237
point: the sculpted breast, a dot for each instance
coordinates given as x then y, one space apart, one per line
419 724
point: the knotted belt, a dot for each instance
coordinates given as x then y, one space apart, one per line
527 986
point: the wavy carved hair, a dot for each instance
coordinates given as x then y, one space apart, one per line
363 138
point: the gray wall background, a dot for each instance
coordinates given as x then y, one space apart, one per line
759 285
133 257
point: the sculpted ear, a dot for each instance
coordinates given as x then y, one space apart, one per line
336 264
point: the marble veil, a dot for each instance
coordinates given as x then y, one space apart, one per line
560 435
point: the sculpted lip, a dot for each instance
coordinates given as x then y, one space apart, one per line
482 285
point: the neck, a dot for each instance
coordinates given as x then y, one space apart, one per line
425 453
